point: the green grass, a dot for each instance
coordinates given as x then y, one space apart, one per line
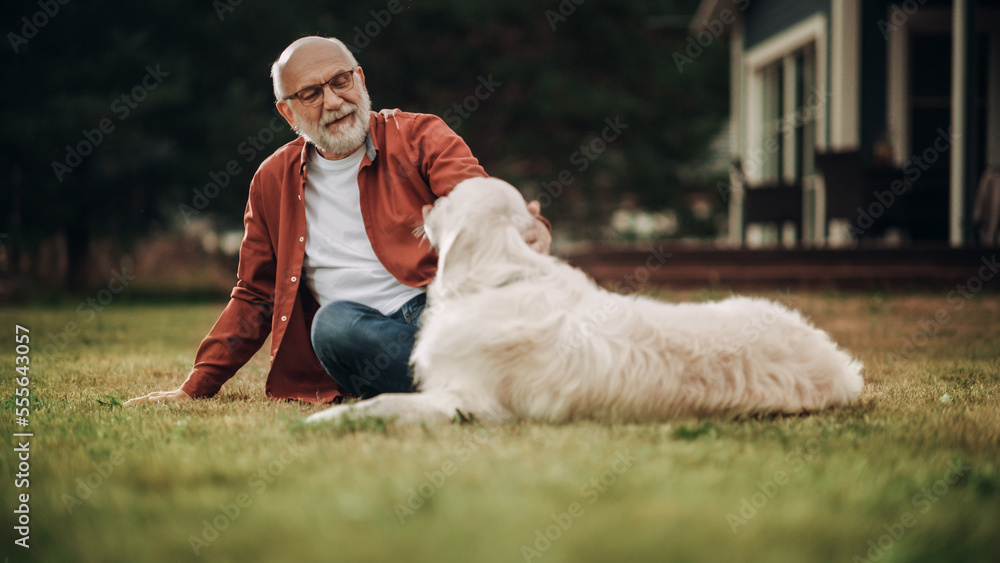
112 484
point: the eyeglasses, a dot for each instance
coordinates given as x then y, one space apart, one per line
312 95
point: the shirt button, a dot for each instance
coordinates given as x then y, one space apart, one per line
302 239
293 278
284 318
272 358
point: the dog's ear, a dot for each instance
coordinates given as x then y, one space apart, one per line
446 246
456 258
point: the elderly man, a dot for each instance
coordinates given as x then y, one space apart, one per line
329 265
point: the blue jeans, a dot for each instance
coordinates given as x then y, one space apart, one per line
367 352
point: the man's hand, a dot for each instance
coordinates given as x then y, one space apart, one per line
175 396
538 236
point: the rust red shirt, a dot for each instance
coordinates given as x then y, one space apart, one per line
411 160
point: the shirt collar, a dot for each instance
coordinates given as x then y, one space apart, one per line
372 153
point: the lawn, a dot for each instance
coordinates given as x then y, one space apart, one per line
909 473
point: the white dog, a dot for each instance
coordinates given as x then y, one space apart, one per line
513 334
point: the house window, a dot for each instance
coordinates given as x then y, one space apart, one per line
785 151
788 114
804 115
772 79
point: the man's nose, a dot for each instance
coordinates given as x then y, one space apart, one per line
331 100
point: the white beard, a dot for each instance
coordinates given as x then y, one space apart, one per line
347 137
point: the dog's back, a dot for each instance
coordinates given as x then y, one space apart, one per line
550 350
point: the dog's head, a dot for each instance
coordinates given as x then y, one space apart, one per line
476 208
478 228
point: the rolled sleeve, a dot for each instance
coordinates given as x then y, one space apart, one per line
443 156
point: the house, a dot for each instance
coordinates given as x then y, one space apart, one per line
859 121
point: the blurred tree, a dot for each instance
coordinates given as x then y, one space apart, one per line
566 71
121 117
120 108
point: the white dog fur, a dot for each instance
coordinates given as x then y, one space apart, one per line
512 334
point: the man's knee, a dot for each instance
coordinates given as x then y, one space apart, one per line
334 324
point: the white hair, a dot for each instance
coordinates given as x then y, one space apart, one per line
512 334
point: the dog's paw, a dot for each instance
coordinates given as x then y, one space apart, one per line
332 413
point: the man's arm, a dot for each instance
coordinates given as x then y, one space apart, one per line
447 160
245 323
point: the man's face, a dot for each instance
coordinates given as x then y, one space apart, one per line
337 125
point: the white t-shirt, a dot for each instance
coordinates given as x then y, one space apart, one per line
340 263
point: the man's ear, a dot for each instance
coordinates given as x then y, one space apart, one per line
286 112
361 74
